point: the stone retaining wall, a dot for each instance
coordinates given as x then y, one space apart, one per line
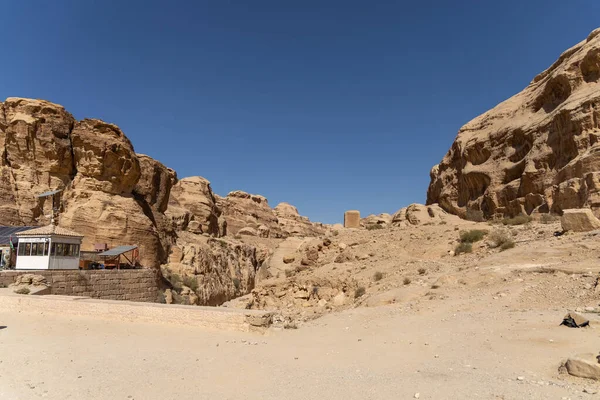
134 285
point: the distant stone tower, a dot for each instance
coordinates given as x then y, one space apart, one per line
352 219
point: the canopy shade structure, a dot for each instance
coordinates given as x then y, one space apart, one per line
112 257
6 232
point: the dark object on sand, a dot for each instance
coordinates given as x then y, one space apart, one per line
574 320
559 233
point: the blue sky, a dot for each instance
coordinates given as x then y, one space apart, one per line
328 105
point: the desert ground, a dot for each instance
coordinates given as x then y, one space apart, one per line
478 325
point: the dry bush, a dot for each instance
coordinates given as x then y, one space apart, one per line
464 247
472 236
422 271
474 215
548 218
518 220
374 227
507 245
377 276
498 237
360 292
407 281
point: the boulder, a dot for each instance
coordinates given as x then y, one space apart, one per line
263 231
538 150
288 259
583 366
579 220
247 231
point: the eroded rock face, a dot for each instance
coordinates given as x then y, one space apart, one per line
106 156
418 214
194 195
294 224
537 151
245 210
95 165
36 155
216 270
155 183
112 195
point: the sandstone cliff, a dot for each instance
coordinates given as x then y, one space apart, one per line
113 195
537 151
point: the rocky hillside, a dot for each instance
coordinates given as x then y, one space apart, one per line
113 195
537 151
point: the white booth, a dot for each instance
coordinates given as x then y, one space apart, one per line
48 247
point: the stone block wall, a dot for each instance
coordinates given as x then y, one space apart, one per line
134 285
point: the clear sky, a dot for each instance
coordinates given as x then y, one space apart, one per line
328 105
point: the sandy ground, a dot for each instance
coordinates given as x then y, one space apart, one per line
443 351
483 325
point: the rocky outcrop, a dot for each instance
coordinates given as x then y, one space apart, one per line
537 151
113 195
192 206
155 183
245 210
376 221
211 271
418 214
294 224
36 152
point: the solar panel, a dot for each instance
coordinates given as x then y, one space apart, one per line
50 193
117 251
7 231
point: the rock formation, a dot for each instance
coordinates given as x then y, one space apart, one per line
418 214
244 210
113 195
293 224
537 151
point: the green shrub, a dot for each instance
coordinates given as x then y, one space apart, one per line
507 245
518 220
191 282
472 236
377 276
23 290
359 292
464 247
236 283
175 280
